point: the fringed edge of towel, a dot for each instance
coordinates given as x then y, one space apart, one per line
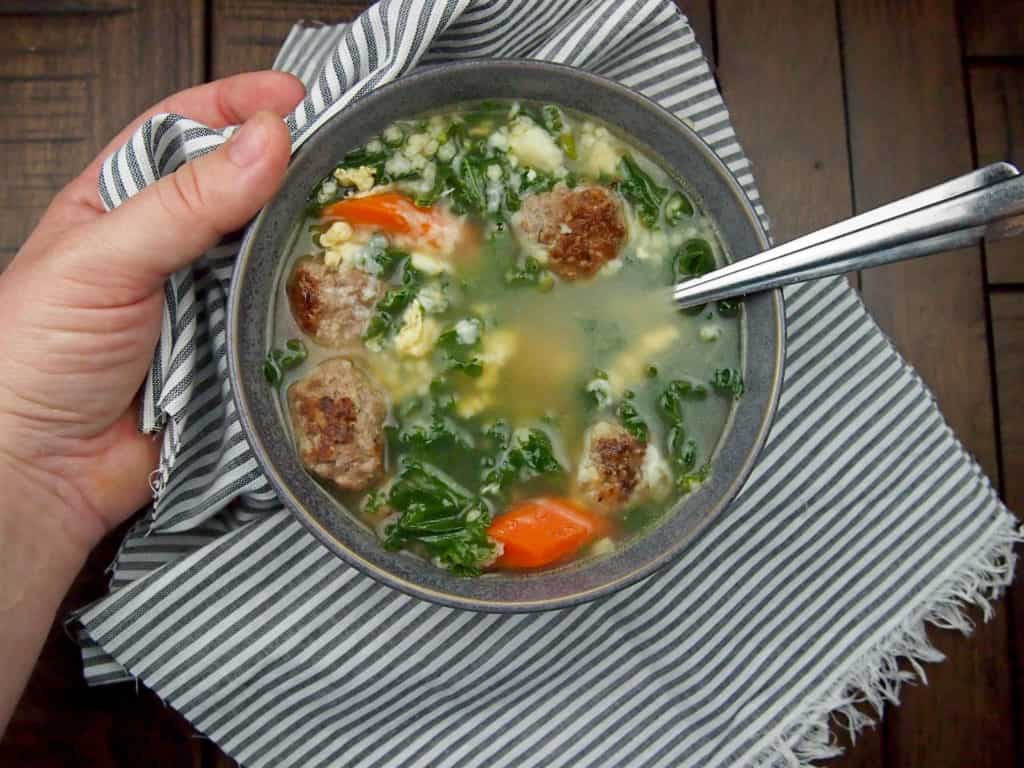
877 676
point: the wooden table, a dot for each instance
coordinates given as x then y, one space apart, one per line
841 106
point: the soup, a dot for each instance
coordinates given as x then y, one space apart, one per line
475 345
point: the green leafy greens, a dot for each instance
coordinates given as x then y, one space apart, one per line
442 517
427 422
631 419
393 303
280 360
551 118
458 354
469 187
523 454
693 259
681 450
728 381
637 187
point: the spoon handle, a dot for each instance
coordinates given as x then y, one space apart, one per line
988 202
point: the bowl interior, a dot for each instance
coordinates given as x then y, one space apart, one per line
681 151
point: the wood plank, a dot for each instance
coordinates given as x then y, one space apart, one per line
1007 312
52 8
788 113
789 117
993 27
700 15
67 91
997 95
908 129
246 35
45 133
1008 341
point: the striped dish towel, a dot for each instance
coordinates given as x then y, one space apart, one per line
864 520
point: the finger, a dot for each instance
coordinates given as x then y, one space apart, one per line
230 101
174 221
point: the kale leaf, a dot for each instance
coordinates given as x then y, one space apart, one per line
458 355
693 259
637 187
280 360
523 454
631 419
677 391
551 118
440 515
681 450
469 185
393 303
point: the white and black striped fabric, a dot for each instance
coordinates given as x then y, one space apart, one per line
864 519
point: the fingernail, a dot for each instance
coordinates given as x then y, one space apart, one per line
247 144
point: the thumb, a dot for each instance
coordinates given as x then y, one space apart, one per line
174 221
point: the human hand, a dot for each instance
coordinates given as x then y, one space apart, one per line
80 306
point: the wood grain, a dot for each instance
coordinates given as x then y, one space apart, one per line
52 8
700 15
45 132
908 129
993 27
247 35
997 95
1007 312
1008 338
67 89
790 120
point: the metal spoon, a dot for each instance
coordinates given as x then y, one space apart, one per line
987 203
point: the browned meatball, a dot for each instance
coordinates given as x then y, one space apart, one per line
611 467
338 416
332 306
582 228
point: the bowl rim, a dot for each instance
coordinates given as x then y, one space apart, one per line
240 393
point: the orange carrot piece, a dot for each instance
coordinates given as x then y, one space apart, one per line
389 212
410 225
543 531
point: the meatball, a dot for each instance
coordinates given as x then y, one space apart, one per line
582 229
338 416
612 466
332 306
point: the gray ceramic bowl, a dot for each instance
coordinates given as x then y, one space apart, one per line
258 271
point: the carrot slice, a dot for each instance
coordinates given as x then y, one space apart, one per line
543 531
388 211
394 214
409 225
